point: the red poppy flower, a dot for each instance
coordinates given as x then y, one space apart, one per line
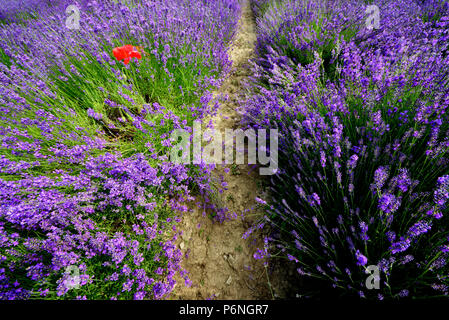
125 53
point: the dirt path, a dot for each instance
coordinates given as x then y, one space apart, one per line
220 262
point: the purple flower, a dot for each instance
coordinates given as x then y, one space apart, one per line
419 228
140 295
316 199
441 195
389 203
437 214
261 201
403 293
91 113
361 259
323 159
408 258
363 231
402 180
380 177
127 286
352 162
400 246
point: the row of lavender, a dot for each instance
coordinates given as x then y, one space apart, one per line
88 199
360 202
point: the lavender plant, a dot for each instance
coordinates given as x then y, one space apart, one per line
85 182
363 157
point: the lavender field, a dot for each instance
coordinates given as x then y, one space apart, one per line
92 205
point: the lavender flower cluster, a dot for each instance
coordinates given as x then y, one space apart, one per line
362 114
12 10
85 182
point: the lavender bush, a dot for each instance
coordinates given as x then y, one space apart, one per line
364 164
88 199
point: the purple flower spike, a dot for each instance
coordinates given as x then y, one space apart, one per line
361 259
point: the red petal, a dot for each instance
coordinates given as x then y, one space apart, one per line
119 53
128 48
135 54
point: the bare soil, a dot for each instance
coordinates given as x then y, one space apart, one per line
220 263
